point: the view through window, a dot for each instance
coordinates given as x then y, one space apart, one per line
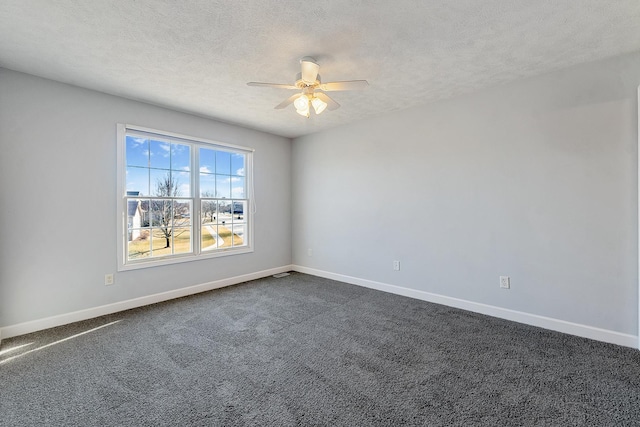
182 197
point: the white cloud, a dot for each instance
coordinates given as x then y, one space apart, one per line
237 192
184 190
167 150
179 148
205 169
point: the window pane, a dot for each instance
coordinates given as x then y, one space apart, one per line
223 163
181 213
181 240
138 180
180 157
161 242
161 183
209 237
138 246
167 184
137 151
160 154
237 164
238 233
237 187
207 160
134 215
224 211
223 187
239 209
145 216
208 210
224 234
182 183
161 213
207 185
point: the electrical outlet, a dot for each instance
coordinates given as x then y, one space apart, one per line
505 282
310 252
396 265
108 279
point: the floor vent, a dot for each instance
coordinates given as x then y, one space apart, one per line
279 275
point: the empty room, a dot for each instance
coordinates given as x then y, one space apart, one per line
282 213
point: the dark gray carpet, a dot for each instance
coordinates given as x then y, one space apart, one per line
302 350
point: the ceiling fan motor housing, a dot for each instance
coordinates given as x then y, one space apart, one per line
310 70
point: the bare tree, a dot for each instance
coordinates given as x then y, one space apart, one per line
168 214
208 207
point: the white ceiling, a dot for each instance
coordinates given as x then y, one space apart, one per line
196 56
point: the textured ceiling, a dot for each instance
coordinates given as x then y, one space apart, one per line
196 56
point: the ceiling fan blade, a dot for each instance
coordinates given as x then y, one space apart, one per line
309 70
346 85
287 101
331 104
278 85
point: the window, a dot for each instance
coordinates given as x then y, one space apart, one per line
180 198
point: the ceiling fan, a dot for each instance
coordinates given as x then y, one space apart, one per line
312 89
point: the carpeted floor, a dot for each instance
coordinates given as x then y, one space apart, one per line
302 350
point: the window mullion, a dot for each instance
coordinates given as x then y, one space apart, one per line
195 197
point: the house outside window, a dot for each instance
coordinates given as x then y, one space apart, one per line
180 198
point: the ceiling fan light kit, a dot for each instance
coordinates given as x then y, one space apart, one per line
302 105
312 95
305 101
318 105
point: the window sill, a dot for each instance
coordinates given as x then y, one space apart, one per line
179 259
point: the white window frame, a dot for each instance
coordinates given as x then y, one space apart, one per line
197 253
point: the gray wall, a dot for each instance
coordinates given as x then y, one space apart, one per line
536 180
58 199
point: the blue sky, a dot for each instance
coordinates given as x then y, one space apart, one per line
221 173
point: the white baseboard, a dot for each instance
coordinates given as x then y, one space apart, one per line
577 329
503 313
90 313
